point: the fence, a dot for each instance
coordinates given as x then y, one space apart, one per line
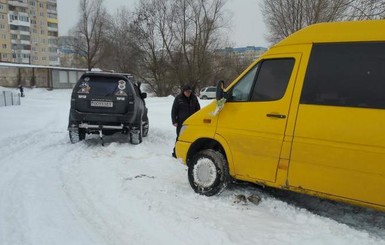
7 98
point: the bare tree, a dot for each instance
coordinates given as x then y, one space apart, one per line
121 51
284 17
197 30
229 65
90 31
151 31
367 9
177 38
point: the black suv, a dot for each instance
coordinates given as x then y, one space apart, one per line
106 103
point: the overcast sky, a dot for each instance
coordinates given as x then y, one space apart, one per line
247 27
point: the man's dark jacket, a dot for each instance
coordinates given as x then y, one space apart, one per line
183 107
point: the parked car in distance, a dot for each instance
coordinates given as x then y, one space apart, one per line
106 103
208 93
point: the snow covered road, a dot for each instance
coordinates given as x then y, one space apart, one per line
54 192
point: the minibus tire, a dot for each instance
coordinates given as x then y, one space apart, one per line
208 172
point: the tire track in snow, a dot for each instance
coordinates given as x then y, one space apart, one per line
31 194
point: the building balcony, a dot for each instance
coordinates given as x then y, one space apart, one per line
19 23
54 63
25 51
51 20
51 11
15 41
25 42
20 3
19 32
25 61
55 29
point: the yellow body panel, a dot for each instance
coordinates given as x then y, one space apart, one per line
328 151
340 151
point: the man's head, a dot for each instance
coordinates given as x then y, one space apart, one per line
186 89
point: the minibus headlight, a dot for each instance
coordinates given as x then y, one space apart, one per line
184 127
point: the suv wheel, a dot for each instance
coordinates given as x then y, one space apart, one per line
77 135
136 134
146 126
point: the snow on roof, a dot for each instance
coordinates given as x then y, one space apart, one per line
5 64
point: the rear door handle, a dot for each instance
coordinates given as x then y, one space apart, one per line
276 115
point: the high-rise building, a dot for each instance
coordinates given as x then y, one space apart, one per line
29 32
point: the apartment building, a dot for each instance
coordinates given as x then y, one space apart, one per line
29 32
248 52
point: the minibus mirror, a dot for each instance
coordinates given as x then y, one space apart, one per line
220 88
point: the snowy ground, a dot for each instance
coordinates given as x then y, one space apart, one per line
54 192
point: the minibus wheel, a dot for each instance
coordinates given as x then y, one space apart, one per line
208 172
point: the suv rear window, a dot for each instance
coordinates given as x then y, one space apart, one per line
102 86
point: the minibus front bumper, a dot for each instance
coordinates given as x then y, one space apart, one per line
181 150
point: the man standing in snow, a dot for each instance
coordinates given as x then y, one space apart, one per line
185 104
21 90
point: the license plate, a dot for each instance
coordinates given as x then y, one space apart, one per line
102 103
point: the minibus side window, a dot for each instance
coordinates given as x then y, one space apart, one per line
346 74
272 79
241 91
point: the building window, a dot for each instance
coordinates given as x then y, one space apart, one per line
2 26
25 37
24 18
52 41
4 46
4 36
5 56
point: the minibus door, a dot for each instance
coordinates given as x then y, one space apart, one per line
254 118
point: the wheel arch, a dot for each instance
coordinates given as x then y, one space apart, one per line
209 143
